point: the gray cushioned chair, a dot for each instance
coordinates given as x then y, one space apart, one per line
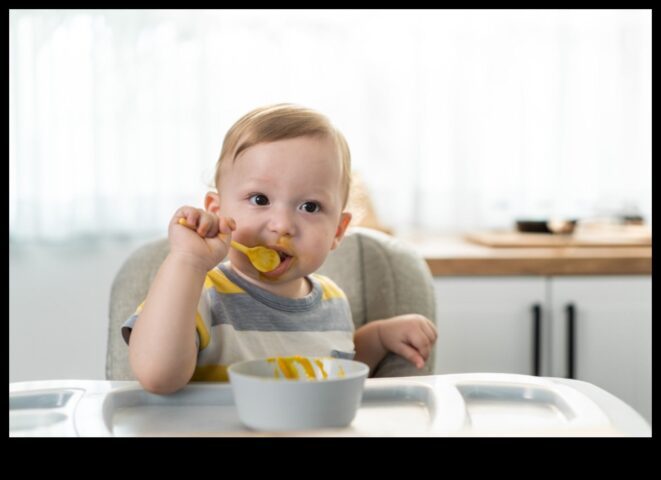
381 276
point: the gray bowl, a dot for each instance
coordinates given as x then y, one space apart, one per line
265 402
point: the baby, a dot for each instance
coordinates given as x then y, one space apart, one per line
282 181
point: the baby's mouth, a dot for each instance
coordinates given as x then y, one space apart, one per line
285 261
282 253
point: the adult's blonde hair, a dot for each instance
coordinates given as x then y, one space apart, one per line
281 122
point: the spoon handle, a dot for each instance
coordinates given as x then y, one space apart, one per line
239 247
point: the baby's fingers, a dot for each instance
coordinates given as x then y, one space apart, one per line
226 224
430 331
411 354
187 216
421 341
208 225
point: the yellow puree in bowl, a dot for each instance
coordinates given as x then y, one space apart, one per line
286 367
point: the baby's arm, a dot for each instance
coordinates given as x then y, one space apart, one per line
162 349
411 336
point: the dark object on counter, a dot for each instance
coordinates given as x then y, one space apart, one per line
633 220
545 226
533 226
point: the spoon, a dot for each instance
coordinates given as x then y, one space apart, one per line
262 258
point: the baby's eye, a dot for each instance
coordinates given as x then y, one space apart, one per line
310 207
259 199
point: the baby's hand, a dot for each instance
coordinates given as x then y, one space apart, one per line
199 240
411 336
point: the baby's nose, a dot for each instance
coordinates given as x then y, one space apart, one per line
282 222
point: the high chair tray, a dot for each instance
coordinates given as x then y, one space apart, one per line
437 405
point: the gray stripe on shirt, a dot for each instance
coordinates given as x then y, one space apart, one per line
244 313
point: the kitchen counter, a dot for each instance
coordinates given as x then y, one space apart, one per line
449 255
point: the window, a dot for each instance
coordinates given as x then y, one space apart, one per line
456 119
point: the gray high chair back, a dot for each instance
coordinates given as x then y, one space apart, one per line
381 276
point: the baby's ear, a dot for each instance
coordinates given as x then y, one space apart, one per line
345 219
212 202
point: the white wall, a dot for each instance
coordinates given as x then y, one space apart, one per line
462 120
58 310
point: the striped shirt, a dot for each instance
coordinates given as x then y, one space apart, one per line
237 320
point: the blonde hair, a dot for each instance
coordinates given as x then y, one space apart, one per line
280 122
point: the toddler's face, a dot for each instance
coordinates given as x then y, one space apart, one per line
286 195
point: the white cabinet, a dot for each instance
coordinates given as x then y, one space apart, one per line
523 325
612 334
486 324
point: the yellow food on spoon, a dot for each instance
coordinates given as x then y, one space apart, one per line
262 258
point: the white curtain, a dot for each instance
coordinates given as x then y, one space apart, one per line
456 120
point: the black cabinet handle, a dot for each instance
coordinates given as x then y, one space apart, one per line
536 339
570 311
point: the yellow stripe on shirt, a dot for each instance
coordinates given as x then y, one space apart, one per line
202 331
328 287
210 373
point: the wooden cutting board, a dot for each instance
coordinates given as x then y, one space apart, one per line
623 236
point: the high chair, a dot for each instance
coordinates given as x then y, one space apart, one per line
381 276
